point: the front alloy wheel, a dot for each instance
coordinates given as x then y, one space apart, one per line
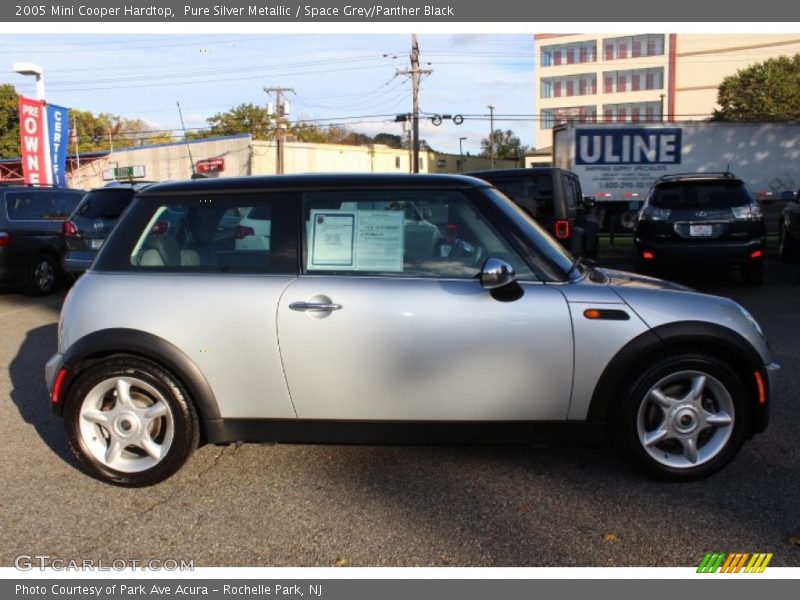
130 422
684 417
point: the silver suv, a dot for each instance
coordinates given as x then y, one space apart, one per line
386 309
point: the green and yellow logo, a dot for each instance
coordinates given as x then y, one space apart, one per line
738 562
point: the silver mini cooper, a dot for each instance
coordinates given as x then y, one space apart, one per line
386 309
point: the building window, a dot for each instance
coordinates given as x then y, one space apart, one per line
570 87
579 52
573 114
396 162
634 47
547 88
557 89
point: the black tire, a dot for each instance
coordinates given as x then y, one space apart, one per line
41 276
716 446
753 274
788 247
150 383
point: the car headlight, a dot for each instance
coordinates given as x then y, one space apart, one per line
752 320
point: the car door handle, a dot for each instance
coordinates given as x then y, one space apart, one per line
314 306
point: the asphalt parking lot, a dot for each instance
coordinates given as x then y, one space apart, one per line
258 505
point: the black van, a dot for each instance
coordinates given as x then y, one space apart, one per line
554 198
31 242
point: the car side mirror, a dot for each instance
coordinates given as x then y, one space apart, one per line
589 202
496 273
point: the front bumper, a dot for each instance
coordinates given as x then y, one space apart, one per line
761 411
51 369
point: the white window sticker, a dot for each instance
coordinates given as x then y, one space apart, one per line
332 235
363 240
379 244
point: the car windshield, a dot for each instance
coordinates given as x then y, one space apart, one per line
700 194
105 204
552 251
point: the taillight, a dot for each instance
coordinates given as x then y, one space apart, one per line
68 228
749 212
5 239
653 213
756 254
160 228
242 231
561 229
647 255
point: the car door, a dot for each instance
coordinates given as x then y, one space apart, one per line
386 324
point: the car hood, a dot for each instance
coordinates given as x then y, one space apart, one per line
624 279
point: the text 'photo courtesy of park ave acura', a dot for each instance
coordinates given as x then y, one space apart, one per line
424 300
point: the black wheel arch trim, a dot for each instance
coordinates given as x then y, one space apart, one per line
107 342
685 334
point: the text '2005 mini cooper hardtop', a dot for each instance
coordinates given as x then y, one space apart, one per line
385 309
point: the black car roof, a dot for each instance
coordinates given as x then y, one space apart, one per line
513 172
318 181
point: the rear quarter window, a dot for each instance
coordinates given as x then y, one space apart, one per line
533 193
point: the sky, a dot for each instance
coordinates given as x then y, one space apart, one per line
347 79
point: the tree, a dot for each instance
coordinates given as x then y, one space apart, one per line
506 145
766 91
9 121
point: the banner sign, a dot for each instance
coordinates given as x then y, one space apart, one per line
630 146
58 130
210 165
43 132
33 141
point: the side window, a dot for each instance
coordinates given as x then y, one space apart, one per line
431 234
534 194
570 192
250 234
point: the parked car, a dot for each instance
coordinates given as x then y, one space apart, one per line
30 235
554 198
701 219
789 230
88 226
353 327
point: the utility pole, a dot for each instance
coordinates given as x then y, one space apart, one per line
491 132
280 124
416 74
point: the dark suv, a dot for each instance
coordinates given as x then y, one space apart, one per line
89 225
702 218
30 234
553 197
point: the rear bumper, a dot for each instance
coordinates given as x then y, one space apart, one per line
695 252
77 261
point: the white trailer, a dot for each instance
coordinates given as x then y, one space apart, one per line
618 163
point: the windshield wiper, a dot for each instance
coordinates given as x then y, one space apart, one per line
582 262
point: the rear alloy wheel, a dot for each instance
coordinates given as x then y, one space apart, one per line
130 422
685 417
41 276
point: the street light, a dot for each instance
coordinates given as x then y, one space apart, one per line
27 68
491 131
460 155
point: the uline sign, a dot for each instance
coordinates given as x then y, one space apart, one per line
628 146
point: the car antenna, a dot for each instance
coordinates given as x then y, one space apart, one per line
185 139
